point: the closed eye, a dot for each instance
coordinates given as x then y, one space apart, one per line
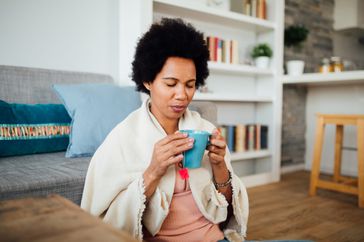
191 84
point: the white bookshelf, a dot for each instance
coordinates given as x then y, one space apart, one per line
200 11
242 93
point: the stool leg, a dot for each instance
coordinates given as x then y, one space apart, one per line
315 170
360 130
338 151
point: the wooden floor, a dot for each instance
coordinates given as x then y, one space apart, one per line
285 211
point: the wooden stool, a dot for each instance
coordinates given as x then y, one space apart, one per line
339 183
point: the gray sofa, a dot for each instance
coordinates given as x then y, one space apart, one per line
43 174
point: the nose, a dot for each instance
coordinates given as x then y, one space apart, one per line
181 92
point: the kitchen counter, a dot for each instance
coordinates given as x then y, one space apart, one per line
337 78
331 93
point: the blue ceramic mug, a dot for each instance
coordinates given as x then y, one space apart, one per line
192 158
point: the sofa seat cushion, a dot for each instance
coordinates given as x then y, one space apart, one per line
43 174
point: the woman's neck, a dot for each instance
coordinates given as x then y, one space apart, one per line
170 127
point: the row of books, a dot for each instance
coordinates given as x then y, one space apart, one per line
245 137
223 51
255 8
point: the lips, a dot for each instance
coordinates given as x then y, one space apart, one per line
178 108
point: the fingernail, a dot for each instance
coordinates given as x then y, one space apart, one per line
190 140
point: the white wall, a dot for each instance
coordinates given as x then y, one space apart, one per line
344 99
135 18
79 35
347 46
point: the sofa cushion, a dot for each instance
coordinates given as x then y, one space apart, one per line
95 110
42 174
33 128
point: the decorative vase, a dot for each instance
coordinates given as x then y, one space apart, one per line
262 62
295 67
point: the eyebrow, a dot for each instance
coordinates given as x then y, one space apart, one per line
175 79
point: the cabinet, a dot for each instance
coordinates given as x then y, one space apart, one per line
243 93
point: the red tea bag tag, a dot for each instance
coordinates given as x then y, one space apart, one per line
184 173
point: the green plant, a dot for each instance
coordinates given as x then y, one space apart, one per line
295 34
262 50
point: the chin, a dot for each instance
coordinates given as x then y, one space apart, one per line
176 115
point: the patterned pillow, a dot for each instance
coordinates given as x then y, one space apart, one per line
33 128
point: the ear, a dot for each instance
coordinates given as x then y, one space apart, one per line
147 85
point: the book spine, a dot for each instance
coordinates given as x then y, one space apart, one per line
219 50
257 137
247 7
235 52
264 137
212 48
227 51
264 9
231 137
251 137
223 53
254 8
216 46
240 138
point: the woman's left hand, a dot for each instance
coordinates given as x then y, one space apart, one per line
217 149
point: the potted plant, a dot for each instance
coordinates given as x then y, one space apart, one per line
261 54
294 36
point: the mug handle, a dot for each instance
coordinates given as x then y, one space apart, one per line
208 141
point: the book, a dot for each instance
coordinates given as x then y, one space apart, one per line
250 137
247 7
261 9
234 52
254 8
240 138
216 46
264 137
219 50
257 137
227 51
212 48
231 137
245 137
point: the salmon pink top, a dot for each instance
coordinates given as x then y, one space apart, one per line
184 221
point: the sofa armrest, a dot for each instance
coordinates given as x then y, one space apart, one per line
206 109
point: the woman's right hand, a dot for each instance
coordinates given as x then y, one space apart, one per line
168 151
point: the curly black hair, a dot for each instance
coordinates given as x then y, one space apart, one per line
169 38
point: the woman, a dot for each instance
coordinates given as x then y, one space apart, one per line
133 181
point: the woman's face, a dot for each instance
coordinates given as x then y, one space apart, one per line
172 89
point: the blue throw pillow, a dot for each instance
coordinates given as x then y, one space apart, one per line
95 109
33 128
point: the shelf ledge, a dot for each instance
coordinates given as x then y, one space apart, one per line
228 98
250 155
238 69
